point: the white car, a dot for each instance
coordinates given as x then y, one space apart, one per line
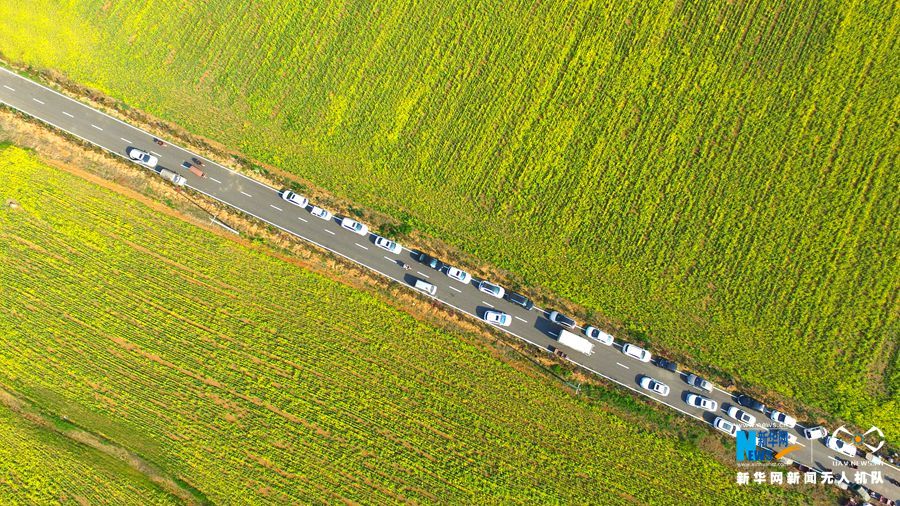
459 275
599 336
142 157
561 319
388 244
497 318
725 426
742 416
318 212
840 446
782 418
636 352
698 401
293 198
654 386
354 226
491 289
814 432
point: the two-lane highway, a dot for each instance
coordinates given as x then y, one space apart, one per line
265 203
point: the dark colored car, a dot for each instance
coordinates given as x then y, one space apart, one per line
518 298
749 402
667 364
430 261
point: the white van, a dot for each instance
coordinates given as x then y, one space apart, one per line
425 287
176 179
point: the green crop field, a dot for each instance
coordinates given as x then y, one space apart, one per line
719 177
248 377
41 468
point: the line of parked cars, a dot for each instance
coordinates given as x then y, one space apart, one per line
493 317
504 320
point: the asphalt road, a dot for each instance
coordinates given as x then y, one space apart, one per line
265 203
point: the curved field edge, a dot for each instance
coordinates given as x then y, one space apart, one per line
39 466
715 177
247 377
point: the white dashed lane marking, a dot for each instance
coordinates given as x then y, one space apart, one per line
302 219
486 304
360 245
67 114
521 319
38 101
329 231
273 207
126 140
8 88
214 179
98 128
245 193
457 289
623 365
420 274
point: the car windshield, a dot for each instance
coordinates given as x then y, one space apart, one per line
145 157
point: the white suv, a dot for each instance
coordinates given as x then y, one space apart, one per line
783 418
599 336
491 289
459 275
388 244
725 426
636 352
698 401
815 432
293 198
354 226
